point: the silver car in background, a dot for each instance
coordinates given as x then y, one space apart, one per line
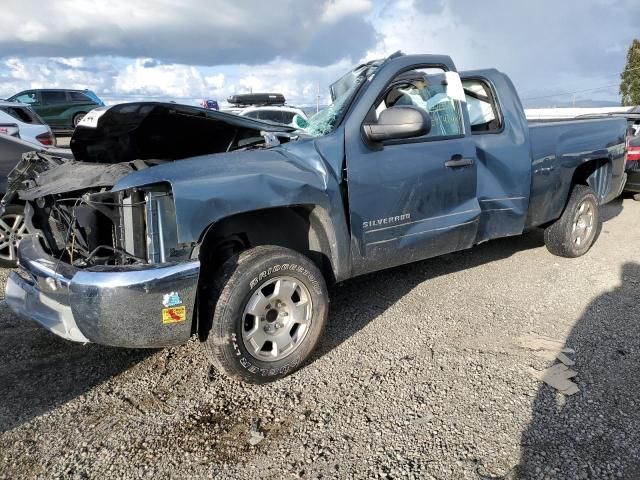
19 120
12 221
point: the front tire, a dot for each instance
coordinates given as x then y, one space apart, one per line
270 312
573 234
12 229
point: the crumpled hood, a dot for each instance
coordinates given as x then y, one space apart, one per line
156 130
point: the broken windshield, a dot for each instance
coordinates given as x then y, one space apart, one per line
342 92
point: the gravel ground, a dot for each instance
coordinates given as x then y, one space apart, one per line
424 372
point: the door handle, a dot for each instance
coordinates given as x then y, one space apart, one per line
458 161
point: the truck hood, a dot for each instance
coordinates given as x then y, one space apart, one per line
113 142
164 131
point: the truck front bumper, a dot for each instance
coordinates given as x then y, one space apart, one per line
128 306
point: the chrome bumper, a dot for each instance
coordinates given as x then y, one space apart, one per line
118 306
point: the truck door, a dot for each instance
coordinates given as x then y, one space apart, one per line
501 135
412 198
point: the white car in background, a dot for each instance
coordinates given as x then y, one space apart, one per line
19 120
279 114
264 106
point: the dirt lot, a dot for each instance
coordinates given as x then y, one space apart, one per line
424 372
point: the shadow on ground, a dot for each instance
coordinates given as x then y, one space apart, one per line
595 433
39 371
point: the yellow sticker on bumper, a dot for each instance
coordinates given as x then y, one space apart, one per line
174 314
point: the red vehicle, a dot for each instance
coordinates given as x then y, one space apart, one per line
633 166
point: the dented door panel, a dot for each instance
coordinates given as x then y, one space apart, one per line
504 162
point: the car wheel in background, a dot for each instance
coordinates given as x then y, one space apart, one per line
270 312
12 229
575 231
77 117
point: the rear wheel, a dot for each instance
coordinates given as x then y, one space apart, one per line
271 310
77 117
573 234
12 229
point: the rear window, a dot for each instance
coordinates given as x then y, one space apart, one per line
634 142
53 97
287 117
95 98
252 114
271 115
277 116
481 104
79 97
25 115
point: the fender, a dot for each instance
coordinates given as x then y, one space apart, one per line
209 188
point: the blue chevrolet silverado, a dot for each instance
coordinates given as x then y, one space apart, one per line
175 222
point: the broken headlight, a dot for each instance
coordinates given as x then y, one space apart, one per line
148 219
160 219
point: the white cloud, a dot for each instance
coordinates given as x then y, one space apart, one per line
202 32
211 49
18 74
335 10
160 80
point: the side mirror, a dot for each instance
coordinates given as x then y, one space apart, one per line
398 122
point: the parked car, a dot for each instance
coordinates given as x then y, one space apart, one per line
269 107
22 122
633 166
233 233
12 221
210 104
283 114
61 109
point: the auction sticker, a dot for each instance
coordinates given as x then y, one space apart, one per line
174 314
91 119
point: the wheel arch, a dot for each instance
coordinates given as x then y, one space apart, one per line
595 173
306 229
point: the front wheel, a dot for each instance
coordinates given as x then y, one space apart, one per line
269 315
573 234
12 229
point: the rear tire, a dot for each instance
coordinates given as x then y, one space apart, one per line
77 117
573 234
269 315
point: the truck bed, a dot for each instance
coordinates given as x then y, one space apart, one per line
558 148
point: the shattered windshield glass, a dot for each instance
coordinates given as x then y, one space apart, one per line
342 92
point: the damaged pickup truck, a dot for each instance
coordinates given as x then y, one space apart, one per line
175 221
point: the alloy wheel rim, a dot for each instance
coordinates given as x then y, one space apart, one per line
583 224
12 229
276 319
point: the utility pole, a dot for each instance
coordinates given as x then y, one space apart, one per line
318 98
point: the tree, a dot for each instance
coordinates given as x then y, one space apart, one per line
630 78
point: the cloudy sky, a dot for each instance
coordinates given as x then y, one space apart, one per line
133 49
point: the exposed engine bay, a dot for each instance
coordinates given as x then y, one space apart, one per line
69 203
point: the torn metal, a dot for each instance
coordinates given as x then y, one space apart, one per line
71 203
